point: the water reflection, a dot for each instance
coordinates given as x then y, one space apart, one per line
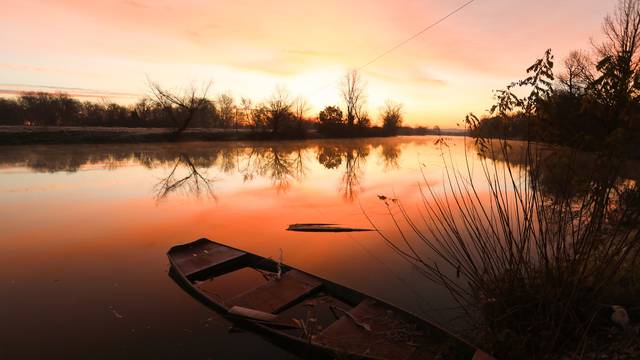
115 256
391 156
280 165
568 175
190 168
193 180
353 158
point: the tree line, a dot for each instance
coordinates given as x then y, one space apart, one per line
593 103
281 115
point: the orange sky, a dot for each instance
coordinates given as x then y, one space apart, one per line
250 47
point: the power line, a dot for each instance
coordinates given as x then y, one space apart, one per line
404 42
395 47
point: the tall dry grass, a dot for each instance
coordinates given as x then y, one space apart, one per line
534 250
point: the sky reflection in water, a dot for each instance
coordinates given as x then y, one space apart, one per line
85 231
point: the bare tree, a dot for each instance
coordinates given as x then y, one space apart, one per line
300 108
259 117
578 72
226 110
353 95
362 117
622 31
391 115
279 106
247 105
620 58
181 107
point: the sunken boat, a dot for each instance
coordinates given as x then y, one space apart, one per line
307 314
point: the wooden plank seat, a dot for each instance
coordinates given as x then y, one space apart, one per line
276 295
375 330
201 255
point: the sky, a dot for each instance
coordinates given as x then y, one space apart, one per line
252 47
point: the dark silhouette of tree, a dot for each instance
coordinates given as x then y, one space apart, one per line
621 30
226 109
300 108
353 95
47 109
597 102
10 113
619 82
259 118
362 117
281 117
578 72
180 107
246 105
391 115
513 114
331 121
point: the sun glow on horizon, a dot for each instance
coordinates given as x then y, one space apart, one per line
249 48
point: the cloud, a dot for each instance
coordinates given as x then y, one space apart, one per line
408 75
31 68
136 4
19 89
313 53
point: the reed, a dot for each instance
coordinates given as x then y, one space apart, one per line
534 259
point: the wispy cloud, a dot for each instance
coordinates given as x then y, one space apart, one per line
19 89
312 53
411 75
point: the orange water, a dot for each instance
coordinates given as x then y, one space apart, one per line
85 229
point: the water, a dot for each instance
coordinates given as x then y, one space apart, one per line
85 229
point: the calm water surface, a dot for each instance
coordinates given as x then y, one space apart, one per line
85 229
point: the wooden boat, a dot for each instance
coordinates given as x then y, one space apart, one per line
305 313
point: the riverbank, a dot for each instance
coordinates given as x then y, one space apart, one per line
25 135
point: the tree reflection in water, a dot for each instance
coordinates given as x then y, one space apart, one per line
187 177
354 158
279 165
189 164
568 175
391 155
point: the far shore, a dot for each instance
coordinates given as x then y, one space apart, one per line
24 135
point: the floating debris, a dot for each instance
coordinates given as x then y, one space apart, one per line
323 228
116 313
